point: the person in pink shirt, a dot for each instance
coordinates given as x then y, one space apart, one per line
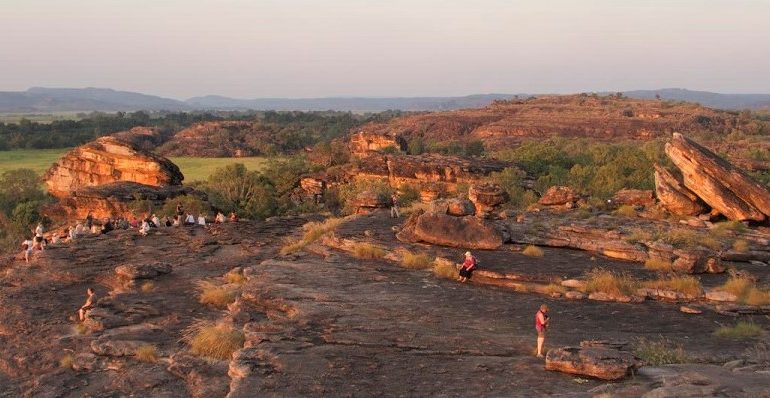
469 264
541 325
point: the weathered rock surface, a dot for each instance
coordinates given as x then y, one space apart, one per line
634 197
487 197
226 138
722 186
107 160
143 271
460 207
599 362
441 229
363 143
369 200
674 196
559 195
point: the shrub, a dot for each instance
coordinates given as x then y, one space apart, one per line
741 246
368 251
147 353
599 280
445 269
216 340
722 229
658 264
756 296
626 211
741 330
416 260
65 362
746 291
683 284
235 277
533 251
659 352
217 296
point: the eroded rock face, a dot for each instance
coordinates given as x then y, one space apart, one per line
363 143
599 362
634 197
559 195
369 200
460 207
107 160
674 196
487 197
441 229
725 188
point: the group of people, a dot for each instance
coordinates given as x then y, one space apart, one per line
36 241
470 264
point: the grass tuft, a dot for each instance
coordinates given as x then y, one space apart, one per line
746 291
147 353
555 288
533 251
741 246
445 269
148 287
217 296
659 352
79 329
312 232
215 340
416 260
626 211
235 277
65 362
685 284
368 251
687 239
604 281
658 264
741 330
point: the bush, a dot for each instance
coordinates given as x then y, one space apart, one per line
369 251
445 269
658 264
213 340
659 352
603 281
741 330
249 193
416 260
686 284
191 204
724 228
217 296
626 211
235 277
746 291
147 353
533 251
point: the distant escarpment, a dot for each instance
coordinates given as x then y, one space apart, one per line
572 116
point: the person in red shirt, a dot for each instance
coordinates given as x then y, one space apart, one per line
469 264
541 325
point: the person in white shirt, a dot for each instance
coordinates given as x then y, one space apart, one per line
27 246
190 219
202 220
145 229
220 218
79 230
156 221
39 239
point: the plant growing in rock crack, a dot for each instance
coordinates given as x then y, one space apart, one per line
312 232
685 284
416 260
217 296
369 251
658 264
660 352
533 251
235 277
603 281
215 340
743 287
741 330
147 353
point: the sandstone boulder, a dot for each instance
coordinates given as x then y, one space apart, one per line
722 186
599 362
107 160
362 143
634 197
430 193
674 196
460 207
558 196
487 197
440 229
367 201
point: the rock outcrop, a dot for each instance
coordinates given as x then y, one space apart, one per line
674 196
466 232
487 197
558 196
367 201
634 197
600 362
725 188
363 143
107 160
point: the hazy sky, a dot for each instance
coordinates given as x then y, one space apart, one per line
311 48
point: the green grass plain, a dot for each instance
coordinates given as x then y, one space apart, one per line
194 169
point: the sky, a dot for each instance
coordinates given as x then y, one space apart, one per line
321 48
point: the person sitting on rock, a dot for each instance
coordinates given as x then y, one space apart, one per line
541 325
26 248
177 221
220 218
73 232
107 226
79 230
123 223
167 222
179 210
190 220
145 228
202 220
469 265
134 223
90 301
394 213
233 217
156 221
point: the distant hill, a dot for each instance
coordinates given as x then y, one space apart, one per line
356 104
705 98
39 99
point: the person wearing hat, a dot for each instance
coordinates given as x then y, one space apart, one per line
469 264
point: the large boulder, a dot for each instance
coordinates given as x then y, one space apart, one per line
460 207
487 197
600 362
558 196
722 186
441 229
107 160
676 198
634 197
367 201
363 143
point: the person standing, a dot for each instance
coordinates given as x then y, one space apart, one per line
541 326
469 264
27 246
394 213
39 238
89 220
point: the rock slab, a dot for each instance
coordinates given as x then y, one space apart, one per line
600 362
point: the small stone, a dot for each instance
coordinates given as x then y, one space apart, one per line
574 295
719 295
690 310
573 283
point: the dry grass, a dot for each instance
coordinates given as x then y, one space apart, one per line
215 340
659 352
148 287
722 229
368 251
626 211
658 264
147 353
600 280
741 246
217 296
637 235
79 329
416 260
746 291
685 284
555 288
533 251
741 330
235 277
683 238
445 269
312 232
65 362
